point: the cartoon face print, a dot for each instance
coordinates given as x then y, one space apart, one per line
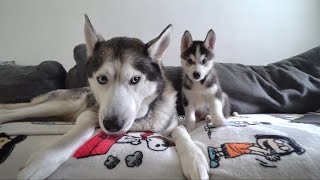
279 145
159 143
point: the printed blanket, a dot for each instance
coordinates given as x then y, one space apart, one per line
250 147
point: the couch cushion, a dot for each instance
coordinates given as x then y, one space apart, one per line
22 83
288 86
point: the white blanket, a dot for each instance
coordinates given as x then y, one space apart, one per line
250 147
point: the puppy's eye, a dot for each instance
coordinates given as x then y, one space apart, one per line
204 61
190 61
135 80
102 79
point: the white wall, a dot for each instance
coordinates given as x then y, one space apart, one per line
248 31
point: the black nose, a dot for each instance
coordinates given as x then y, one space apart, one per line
112 124
196 75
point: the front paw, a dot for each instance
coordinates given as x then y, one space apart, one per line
218 122
40 165
194 164
191 125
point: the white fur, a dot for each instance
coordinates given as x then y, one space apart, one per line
44 162
194 163
203 99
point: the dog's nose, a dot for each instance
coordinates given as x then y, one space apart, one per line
112 124
196 75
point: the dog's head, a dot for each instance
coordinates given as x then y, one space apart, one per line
125 76
197 56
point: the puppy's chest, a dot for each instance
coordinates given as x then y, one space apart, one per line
200 95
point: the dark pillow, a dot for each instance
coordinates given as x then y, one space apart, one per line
288 86
77 76
22 83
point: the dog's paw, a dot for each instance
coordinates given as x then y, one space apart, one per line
218 122
194 163
191 125
40 165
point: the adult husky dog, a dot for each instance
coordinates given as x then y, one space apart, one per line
128 91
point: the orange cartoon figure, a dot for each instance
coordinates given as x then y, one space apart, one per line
272 147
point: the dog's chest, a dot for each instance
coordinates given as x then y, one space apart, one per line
199 95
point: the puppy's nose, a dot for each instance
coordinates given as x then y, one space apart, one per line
196 75
112 124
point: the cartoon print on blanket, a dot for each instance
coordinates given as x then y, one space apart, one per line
7 144
101 144
210 128
134 159
271 147
111 162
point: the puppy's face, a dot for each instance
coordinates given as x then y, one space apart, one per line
197 56
125 76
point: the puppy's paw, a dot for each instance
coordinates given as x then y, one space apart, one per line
191 125
218 122
40 165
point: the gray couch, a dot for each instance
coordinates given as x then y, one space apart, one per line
288 86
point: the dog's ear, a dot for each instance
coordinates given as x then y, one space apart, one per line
186 41
210 40
90 36
158 46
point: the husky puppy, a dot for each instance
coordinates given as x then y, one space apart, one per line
201 91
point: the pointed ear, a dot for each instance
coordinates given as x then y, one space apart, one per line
186 41
90 36
158 46
210 40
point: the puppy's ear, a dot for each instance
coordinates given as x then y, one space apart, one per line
186 41
158 46
90 36
210 40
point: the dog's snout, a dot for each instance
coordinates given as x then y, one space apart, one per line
112 124
196 75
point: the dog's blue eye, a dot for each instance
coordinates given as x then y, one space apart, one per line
102 79
190 61
135 80
204 61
